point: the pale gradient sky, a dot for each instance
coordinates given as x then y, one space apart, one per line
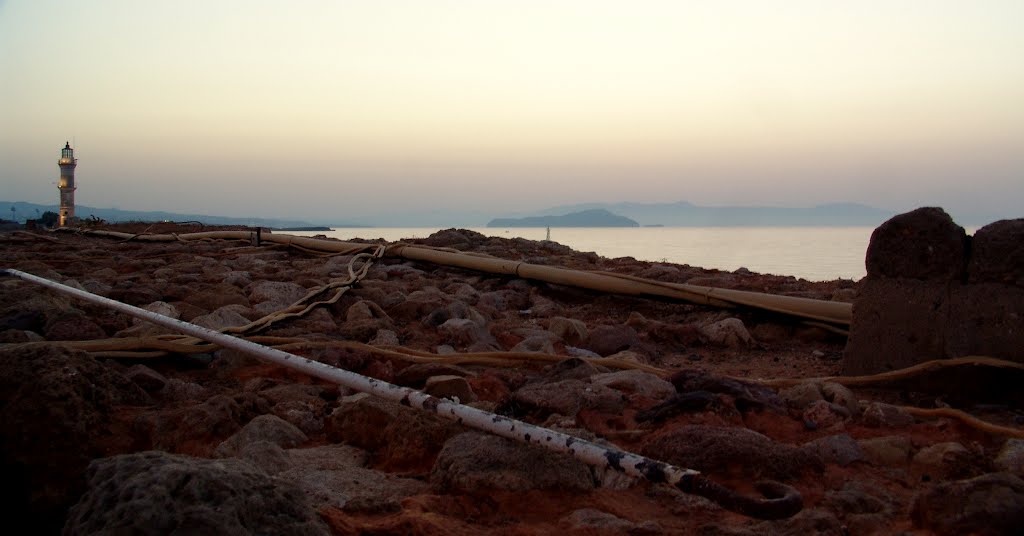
340 110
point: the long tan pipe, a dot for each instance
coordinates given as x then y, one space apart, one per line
834 313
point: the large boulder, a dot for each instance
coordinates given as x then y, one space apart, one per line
920 244
991 504
931 292
997 254
159 493
56 406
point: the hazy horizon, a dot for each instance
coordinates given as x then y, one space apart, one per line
327 110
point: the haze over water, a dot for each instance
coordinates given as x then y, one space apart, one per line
812 253
378 111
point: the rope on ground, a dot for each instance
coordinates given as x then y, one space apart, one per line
920 369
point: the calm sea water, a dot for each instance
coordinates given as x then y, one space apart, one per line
812 253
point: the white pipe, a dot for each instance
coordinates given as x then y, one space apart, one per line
779 504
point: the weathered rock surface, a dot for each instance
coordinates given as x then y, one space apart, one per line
932 293
991 504
55 407
476 463
160 493
723 451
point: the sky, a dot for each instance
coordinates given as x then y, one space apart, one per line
365 111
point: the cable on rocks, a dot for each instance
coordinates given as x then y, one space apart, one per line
778 501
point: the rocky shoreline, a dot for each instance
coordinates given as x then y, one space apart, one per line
217 442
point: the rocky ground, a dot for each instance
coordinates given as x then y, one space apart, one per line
216 442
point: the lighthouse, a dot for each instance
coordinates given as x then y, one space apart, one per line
66 185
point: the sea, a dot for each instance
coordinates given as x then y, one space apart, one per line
811 253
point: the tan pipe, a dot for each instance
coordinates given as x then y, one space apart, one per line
833 313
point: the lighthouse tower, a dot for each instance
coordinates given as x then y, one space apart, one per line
66 185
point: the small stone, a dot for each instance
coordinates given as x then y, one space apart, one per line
730 333
1011 457
148 379
880 415
887 451
839 449
801 395
943 460
570 330
840 394
263 428
450 387
636 382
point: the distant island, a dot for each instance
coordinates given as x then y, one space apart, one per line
585 218
313 228
683 214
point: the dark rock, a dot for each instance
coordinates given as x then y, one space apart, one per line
574 368
801 395
1011 457
921 244
132 294
160 493
73 327
567 397
726 451
416 375
887 451
269 428
997 254
989 505
474 462
200 427
985 319
334 476
401 437
570 330
148 379
56 407
636 382
608 340
943 461
881 415
450 387
680 403
748 396
839 449
215 296
897 323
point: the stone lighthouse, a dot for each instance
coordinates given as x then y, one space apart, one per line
66 185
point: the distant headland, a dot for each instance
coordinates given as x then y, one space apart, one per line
585 218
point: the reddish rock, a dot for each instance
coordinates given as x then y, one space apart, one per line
479 463
403 438
607 340
725 451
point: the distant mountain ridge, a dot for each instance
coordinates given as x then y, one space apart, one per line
585 218
32 210
684 214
